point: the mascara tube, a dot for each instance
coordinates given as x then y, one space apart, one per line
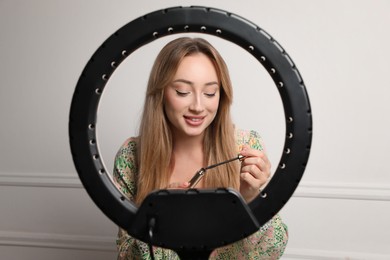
198 175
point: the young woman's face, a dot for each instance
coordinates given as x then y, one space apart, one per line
192 98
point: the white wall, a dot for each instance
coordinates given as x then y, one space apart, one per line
341 207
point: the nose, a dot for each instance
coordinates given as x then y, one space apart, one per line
197 105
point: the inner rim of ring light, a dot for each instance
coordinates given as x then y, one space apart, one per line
145 29
119 97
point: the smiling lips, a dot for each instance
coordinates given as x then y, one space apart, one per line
194 120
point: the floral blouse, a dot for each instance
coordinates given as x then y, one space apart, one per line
269 242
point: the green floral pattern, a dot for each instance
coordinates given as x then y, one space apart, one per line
269 242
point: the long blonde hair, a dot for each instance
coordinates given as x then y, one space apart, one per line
154 153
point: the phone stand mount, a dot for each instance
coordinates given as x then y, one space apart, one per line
193 222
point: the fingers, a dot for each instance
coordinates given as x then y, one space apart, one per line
179 185
255 172
256 163
249 152
257 166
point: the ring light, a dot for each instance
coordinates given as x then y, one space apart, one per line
141 31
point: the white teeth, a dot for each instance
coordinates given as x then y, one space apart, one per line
195 119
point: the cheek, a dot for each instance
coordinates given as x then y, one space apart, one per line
172 105
214 105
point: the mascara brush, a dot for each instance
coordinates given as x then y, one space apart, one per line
199 174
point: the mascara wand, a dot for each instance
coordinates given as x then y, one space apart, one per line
199 174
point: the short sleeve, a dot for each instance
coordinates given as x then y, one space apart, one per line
125 171
249 137
125 168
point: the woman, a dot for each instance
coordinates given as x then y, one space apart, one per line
186 125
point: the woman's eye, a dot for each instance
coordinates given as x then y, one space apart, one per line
182 93
210 94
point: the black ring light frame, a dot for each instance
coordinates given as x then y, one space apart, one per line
98 183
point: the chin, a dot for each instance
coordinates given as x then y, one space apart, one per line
194 133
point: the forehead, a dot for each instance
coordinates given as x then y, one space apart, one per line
197 67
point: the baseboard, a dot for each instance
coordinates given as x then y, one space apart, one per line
55 180
64 241
352 191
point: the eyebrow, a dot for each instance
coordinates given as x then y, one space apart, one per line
191 83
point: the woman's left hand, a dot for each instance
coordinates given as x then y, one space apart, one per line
179 185
255 172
